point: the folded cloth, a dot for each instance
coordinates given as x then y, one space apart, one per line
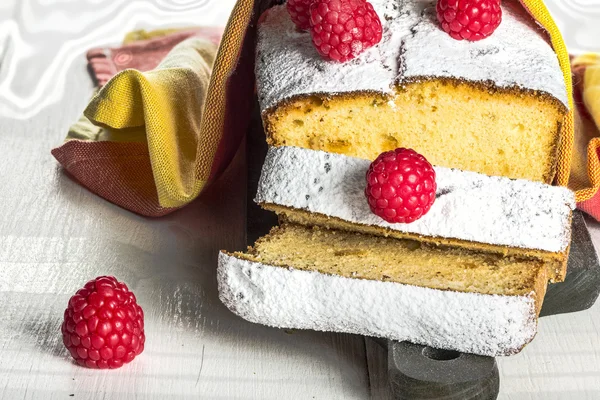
539 12
151 141
137 141
585 169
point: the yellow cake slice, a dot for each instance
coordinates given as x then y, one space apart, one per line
493 106
472 211
471 274
328 280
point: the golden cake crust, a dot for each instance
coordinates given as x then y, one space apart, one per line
473 126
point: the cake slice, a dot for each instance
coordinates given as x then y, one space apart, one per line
495 106
328 280
472 211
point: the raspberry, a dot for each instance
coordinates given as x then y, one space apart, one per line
342 29
299 11
469 19
103 324
400 186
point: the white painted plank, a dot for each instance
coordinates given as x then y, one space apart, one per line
55 235
563 361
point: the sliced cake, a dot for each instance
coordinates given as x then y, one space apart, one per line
471 210
328 280
493 106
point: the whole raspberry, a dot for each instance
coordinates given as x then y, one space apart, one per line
103 324
342 29
469 19
299 11
400 186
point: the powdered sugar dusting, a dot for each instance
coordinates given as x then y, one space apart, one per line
286 298
516 55
469 206
289 65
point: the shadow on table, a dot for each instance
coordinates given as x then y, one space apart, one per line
44 332
171 263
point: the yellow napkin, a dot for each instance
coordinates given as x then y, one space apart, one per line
591 91
585 173
165 107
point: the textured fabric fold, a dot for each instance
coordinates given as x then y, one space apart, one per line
537 9
192 135
168 102
136 143
585 171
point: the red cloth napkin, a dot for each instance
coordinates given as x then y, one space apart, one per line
121 172
587 131
145 55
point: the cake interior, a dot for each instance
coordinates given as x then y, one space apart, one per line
555 263
358 256
453 123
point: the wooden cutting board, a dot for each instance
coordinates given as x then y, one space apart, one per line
421 372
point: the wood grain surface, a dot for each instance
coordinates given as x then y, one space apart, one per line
55 235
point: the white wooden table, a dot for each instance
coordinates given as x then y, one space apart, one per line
55 235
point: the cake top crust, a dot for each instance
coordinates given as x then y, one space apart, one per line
469 206
413 47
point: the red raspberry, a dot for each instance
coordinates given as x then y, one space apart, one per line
469 19
400 186
299 11
103 325
342 29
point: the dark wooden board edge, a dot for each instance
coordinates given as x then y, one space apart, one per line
259 221
581 287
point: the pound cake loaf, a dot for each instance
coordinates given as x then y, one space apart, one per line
494 106
328 280
471 210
